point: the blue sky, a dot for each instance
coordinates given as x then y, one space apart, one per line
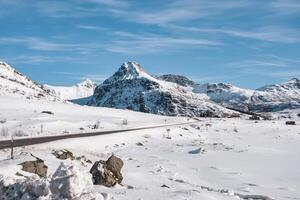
243 42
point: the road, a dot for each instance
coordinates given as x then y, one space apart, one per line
39 140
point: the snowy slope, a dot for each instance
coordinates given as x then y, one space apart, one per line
270 98
222 161
277 97
226 94
78 91
179 79
14 83
132 88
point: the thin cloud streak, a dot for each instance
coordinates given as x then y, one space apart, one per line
268 34
133 43
178 11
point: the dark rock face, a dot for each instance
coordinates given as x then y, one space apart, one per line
180 80
37 167
107 173
131 88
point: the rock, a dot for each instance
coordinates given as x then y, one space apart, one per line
107 173
63 154
197 151
37 167
48 112
290 123
254 117
139 144
83 160
70 182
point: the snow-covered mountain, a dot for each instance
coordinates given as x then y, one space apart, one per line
277 97
226 94
180 80
13 82
132 88
78 91
270 98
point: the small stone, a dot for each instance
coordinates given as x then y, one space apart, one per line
139 144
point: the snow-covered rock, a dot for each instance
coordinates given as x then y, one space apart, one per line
226 94
70 182
180 80
78 91
132 88
271 98
20 189
277 97
13 82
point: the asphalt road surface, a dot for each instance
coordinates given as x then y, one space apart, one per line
38 140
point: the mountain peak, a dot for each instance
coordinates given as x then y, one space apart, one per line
128 71
133 68
87 83
294 80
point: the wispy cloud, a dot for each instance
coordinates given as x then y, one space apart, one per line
38 43
268 66
90 27
111 3
133 43
285 7
263 63
285 74
269 34
38 59
178 11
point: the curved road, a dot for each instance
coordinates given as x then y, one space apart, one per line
38 140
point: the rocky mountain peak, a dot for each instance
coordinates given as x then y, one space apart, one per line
87 83
128 71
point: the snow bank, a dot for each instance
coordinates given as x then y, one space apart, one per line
68 182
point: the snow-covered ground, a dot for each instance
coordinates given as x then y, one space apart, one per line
24 118
212 159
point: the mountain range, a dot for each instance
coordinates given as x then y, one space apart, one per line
173 95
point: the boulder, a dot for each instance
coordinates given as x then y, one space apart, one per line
37 167
107 173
